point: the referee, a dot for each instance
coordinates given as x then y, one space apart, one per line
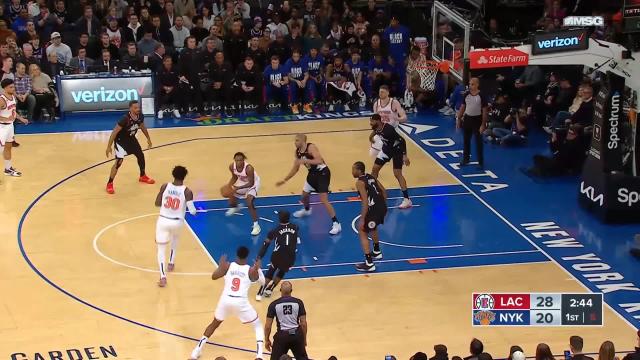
472 117
291 319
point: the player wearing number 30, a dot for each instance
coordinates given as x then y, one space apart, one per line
234 301
173 199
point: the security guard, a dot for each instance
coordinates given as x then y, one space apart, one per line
291 319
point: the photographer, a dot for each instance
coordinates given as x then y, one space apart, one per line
569 153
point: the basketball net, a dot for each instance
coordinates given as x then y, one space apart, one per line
428 71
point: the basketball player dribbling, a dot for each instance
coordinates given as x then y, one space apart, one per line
372 214
173 199
318 179
7 116
234 300
245 183
124 138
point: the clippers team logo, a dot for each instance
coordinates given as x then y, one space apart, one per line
484 302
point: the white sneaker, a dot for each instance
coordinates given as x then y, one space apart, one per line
255 230
444 109
335 229
258 297
267 293
449 112
347 107
160 114
232 211
302 213
331 107
176 114
195 354
405 204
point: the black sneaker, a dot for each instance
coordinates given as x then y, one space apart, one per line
364 267
12 172
15 144
376 255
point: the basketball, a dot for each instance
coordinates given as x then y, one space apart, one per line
226 191
444 67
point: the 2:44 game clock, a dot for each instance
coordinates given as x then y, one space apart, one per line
582 309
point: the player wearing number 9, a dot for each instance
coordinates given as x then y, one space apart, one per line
285 236
173 199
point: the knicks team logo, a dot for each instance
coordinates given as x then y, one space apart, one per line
484 317
484 302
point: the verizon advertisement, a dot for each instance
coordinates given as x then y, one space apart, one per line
497 58
550 43
80 93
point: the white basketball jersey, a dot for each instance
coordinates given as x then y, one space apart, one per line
9 111
243 178
236 281
173 202
387 114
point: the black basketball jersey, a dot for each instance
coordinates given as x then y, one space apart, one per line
285 241
392 142
306 155
374 195
130 125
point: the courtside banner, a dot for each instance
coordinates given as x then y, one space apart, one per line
497 58
98 93
607 139
550 43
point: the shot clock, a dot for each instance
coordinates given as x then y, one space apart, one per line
536 309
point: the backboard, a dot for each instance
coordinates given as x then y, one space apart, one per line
450 34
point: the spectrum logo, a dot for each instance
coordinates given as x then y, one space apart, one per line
572 40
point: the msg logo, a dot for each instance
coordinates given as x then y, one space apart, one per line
628 197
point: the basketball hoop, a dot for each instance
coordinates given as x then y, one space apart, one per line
428 72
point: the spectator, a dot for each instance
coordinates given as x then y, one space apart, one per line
358 70
27 57
180 34
294 39
147 45
106 64
104 44
529 84
88 23
513 132
440 353
12 48
208 54
83 43
134 31
340 87
198 31
397 38
63 51
168 18
243 9
184 7
380 73
256 52
25 36
5 31
168 93
607 351
229 16
19 25
250 83
584 115
276 25
419 356
298 75
213 35
38 51
335 34
131 59
114 32
635 355
513 350
566 94
155 58
220 24
81 63
568 155
285 11
160 33
348 39
309 13
279 48
53 67
24 87
256 30
62 20
235 45
475 348
45 22
312 38
543 352
556 12
575 346
190 68
275 80
296 19
219 89
545 104
265 41
43 91
315 67
207 17
14 9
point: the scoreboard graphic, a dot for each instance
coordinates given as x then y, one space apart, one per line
536 309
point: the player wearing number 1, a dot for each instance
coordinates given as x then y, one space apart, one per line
173 199
234 301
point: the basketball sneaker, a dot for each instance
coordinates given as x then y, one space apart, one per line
267 293
255 230
366 267
12 172
302 213
195 354
307 108
405 204
258 297
171 266
160 114
232 211
162 282
294 109
335 228
110 189
176 114
376 255
147 180
331 108
347 107
444 109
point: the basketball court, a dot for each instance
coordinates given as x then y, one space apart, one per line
82 278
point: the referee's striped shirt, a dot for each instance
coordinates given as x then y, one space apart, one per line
286 310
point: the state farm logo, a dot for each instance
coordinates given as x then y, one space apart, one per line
496 58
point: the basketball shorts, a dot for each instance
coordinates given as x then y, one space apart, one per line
278 268
6 133
318 181
167 230
253 191
395 156
129 147
374 218
235 306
